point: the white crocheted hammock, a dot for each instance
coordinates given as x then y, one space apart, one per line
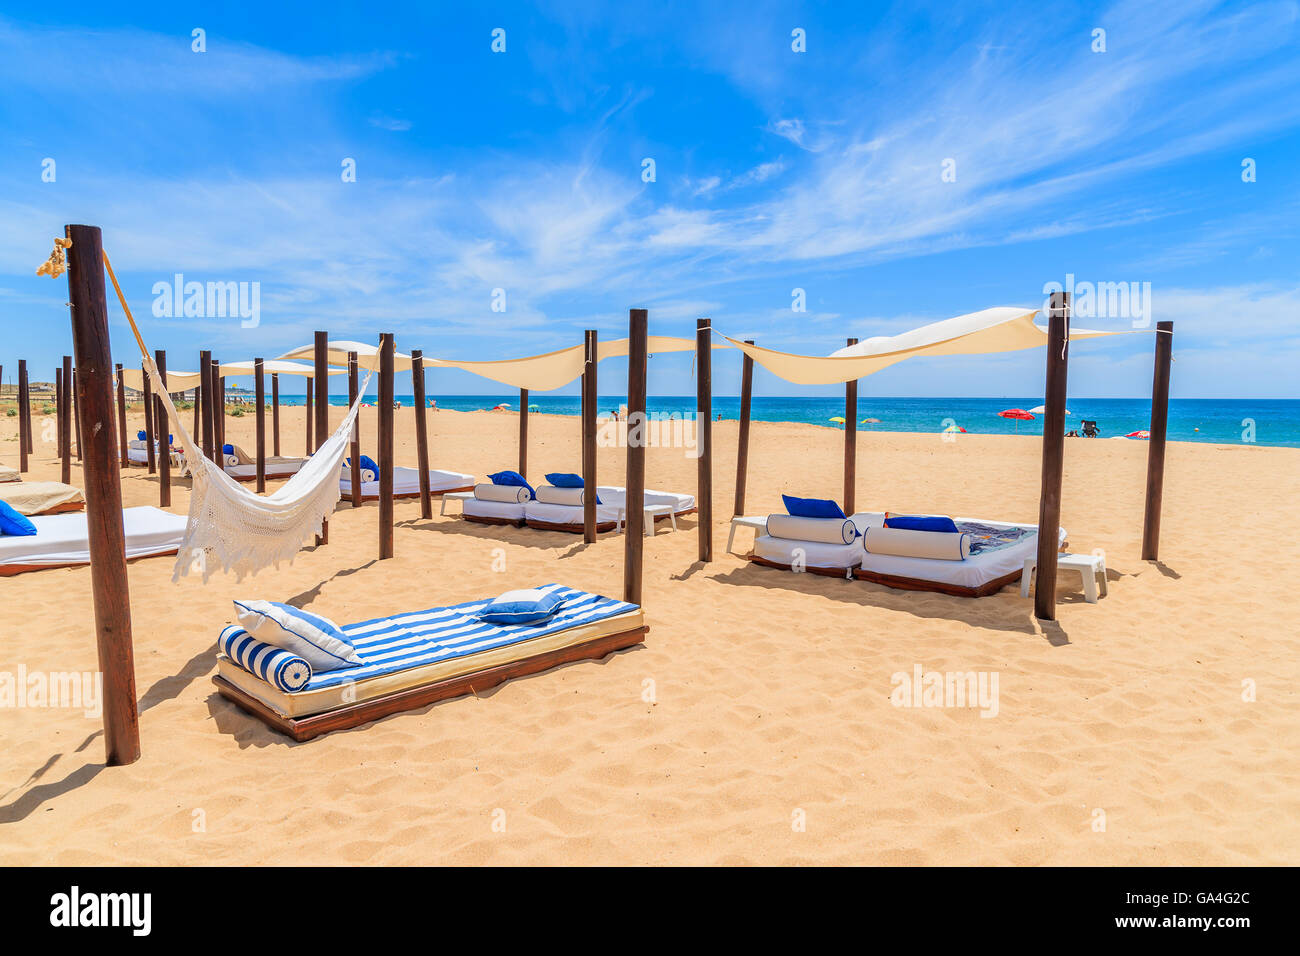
231 528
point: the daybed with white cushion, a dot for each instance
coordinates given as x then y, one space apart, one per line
63 541
406 483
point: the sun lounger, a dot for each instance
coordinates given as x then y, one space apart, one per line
613 501
243 467
62 540
414 659
406 483
9 474
997 558
493 512
43 497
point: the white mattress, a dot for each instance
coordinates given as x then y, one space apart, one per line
614 495
503 510
62 539
279 469
972 572
571 515
816 554
406 481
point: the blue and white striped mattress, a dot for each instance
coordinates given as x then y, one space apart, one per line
418 641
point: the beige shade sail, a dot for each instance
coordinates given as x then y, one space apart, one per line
184 381
176 381
1002 329
336 353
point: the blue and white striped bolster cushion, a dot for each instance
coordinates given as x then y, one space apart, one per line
276 666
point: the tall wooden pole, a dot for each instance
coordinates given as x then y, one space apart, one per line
205 380
589 440
221 404
76 419
704 436
421 432
850 443
58 413
198 409
150 432
275 414
103 491
121 414
355 447
27 411
1156 444
321 376
24 424
65 417
523 432
164 429
634 524
385 446
1049 499
311 418
259 391
742 441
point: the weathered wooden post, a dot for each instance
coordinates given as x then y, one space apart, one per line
259 394
121 416
523 432
311 417
65 420
704 435
150 433
421 432
205 378
321 374
742 440
589 400
386 348
24 423
1049 499
275 414
355 447
634 524
850 443
27 411
164 429
58 413
76 419
103 491
1156 444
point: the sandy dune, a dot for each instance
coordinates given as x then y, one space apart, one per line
755 724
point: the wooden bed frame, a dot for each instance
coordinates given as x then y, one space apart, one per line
844 573
485 519
920 584
601 526
9 570
413 698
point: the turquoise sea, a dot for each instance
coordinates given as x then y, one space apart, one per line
1218 421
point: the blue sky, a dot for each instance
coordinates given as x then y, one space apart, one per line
820 170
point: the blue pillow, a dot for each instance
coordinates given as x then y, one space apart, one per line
317 640
227 449
812 507
922 523
367 463
140 435
512 479
12 523
561 480
529 606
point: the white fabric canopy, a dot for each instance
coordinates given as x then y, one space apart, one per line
336 353
184 381
1003 329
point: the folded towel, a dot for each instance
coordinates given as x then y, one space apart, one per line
824 530
906 543
511 494
368 476
551 495
231 460
276 666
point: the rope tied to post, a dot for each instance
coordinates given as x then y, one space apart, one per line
57 263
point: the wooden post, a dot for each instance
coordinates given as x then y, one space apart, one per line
850 443
103 491
76 419
1049 498
311 418
150 432
275 414
259 392
421 432
198 409
58 413
221 404
65 419
704 436
523 432
1156 444
164 429
321 375
24 424
634 524
742 441
121 413
385 446
355 447
205 378
27 411
589 440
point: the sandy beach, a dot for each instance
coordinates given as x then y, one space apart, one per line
755 724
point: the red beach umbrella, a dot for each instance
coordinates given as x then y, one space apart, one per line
1019 414
1141 434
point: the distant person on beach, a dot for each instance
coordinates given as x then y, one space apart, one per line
433 403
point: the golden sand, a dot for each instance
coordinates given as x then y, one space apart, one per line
755 724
